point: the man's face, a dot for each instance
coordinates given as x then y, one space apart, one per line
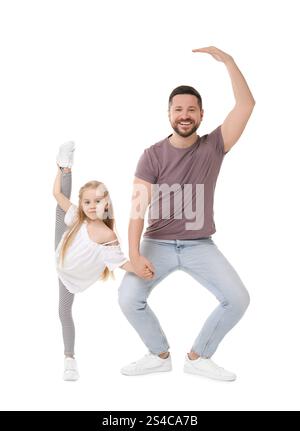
185 114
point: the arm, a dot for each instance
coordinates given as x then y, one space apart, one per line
127 266
140 201
61 199
235 122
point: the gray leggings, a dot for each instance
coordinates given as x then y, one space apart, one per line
65 297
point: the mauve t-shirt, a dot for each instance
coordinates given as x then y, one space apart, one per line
184 182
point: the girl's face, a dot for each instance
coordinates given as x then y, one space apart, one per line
95 202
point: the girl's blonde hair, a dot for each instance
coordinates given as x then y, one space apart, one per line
109 220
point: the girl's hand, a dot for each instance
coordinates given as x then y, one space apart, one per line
143 267
147 273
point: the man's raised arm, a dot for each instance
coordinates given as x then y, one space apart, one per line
236 120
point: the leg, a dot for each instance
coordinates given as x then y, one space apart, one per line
207 265
66 187
65 314
65 297
134 291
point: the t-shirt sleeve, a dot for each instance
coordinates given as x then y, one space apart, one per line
71 215
147 167
113 257
217 140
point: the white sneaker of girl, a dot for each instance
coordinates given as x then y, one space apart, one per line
65 155
71 370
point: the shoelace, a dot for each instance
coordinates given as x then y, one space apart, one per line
70 366
140 361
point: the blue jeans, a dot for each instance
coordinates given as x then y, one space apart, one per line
205 263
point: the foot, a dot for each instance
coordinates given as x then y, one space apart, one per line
65 155
148 364
71 371
207 368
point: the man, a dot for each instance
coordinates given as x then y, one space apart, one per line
178 176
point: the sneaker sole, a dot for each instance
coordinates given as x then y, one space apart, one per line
208 375
145 372
70 377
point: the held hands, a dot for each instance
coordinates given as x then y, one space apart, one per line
215 53
143 267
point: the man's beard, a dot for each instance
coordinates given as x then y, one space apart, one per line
187 133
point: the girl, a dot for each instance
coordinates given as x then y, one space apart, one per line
85 252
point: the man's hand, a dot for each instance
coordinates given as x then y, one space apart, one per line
142 267
215 53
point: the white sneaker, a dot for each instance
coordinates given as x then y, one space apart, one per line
207 368
65 155
148 364
71 371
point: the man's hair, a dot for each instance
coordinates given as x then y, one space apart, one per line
185 89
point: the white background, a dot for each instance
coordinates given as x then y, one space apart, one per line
100 73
